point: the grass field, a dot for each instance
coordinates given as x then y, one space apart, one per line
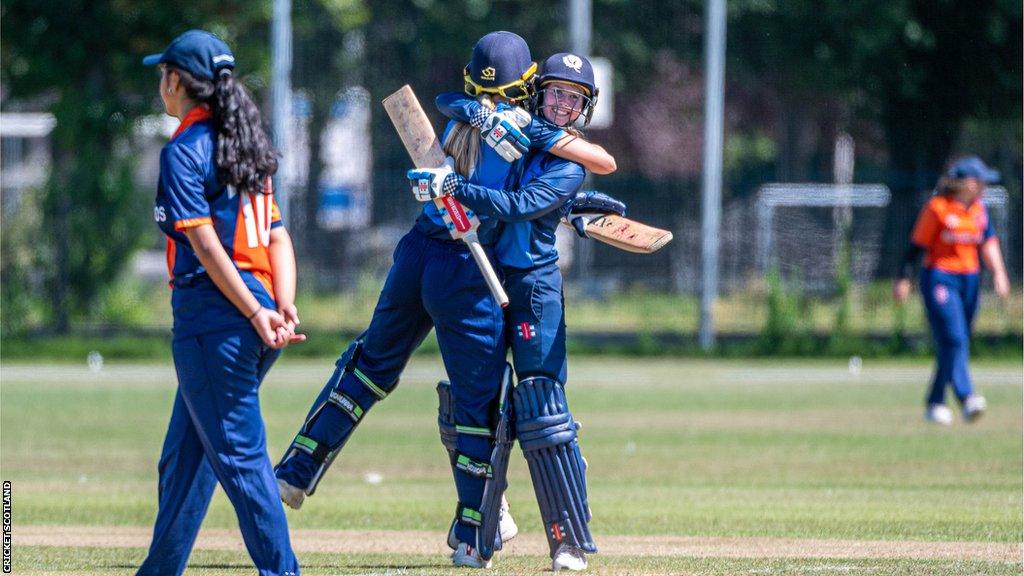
696 467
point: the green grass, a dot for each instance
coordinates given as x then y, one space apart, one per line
124 561
684 448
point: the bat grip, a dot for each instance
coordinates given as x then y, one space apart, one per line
493 283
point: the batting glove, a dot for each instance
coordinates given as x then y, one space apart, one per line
589 203
430 183
503 132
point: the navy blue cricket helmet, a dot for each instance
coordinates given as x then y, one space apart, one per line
500 64
568 67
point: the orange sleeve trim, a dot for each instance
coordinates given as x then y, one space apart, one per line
192 223
275 212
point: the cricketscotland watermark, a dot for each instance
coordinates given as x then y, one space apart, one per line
7 527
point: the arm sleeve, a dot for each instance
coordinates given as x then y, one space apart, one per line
990 231
542 134
910 260
181 178
275 214
926 228
458 106
275 210
543 194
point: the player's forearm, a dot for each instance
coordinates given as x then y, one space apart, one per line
458 106
282 262
992 256
911 258
589 155
526 204
221 270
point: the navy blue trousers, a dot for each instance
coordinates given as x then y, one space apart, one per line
216 434
536 322
432 284
951 301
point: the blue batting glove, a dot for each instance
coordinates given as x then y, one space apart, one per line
503 132
430 183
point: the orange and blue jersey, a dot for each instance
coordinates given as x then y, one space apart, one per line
189 195
950 232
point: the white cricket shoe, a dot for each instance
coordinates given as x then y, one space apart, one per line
569 558
939 413
507 528
468 557
974 407
291 495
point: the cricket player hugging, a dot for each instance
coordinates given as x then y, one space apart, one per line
546 191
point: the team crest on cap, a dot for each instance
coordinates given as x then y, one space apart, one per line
573 61
488 73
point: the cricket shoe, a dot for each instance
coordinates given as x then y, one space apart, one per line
974 407
291 495
507 528
939 413
569 557
466 556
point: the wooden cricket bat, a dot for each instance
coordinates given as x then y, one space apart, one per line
623 233
421 143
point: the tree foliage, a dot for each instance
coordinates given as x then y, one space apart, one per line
82 61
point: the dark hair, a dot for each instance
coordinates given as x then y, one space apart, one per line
245 156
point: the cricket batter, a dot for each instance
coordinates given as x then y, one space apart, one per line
950 231
233 277
433 283
547 191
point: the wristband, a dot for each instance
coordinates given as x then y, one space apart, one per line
253 315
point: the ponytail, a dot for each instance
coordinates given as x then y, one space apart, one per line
245 156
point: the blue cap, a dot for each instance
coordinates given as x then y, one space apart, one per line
499 58
973 167
568 68
197 52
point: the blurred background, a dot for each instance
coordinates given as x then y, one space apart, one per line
838 119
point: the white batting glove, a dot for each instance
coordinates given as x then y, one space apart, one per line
503 132
430 183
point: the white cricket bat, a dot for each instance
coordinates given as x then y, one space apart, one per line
421 143
623 233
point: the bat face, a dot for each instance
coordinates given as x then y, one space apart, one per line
626 234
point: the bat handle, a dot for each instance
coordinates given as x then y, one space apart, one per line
493 283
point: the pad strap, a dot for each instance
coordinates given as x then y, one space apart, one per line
317 451
346 404
468 516
473 467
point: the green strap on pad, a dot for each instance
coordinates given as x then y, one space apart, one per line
346 404
468 516
474 468
316 450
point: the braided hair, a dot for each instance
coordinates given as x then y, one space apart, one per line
245 156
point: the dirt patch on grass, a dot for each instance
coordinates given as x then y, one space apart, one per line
425 542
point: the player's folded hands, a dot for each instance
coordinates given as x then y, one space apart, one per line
430 183
274 330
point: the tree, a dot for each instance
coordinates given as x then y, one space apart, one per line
81 60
